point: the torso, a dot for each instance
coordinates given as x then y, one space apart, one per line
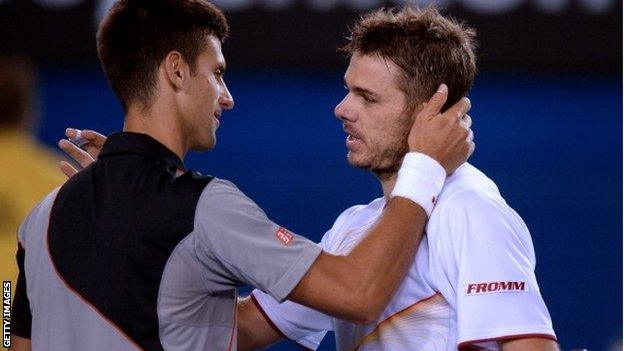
421 315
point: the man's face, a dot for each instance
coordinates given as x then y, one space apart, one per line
206 97
374 114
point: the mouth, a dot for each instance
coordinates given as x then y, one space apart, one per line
217 116
354 140
351 138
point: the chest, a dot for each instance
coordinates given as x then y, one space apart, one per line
417 317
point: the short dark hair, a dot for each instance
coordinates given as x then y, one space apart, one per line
429 48
18 91
137 35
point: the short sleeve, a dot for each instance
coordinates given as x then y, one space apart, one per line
303 325
496 289
255 250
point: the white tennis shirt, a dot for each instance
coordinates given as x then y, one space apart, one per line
472 283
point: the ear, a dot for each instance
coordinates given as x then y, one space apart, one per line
176 69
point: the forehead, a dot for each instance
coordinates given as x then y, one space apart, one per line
212 52
372 72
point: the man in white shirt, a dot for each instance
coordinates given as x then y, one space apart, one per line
472 286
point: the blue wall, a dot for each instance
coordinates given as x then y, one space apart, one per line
552 144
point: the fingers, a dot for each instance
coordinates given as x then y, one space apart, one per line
471 149
466 121
96 142
82 157
94 137
460 109
71 133
92 141
436 102
67 169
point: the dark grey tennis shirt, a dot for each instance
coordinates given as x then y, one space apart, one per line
128 256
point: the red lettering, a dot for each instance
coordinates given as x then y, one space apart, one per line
505 285
482 287
518 285
488 287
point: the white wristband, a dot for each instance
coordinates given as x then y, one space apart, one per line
420 179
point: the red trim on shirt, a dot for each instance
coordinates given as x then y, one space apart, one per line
469 345
273 326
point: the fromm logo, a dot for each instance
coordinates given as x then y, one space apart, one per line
492 287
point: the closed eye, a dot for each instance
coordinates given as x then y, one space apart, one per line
368 99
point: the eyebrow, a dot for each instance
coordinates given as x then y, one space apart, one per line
361 91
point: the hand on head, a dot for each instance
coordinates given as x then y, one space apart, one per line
445 137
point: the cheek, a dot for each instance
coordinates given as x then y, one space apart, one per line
379 127
390 131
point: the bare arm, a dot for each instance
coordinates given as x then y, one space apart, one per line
357 287
338 297
19 344
254 331
530 344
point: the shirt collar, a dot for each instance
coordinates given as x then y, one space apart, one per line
125 143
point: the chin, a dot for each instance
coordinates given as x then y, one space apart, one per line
205 145
358 162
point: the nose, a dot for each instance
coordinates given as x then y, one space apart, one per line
343 110
226 101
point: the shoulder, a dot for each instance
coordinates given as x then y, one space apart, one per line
473 209
219 190
223 199
360 214
466 178
362 211
218 185
38 217
468 189
353 217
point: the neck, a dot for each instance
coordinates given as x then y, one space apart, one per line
387 181
159 125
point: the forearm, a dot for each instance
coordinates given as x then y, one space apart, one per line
375 268
357 287
530 344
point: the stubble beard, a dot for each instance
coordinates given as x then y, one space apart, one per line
386 161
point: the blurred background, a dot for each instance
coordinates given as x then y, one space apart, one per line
547 111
